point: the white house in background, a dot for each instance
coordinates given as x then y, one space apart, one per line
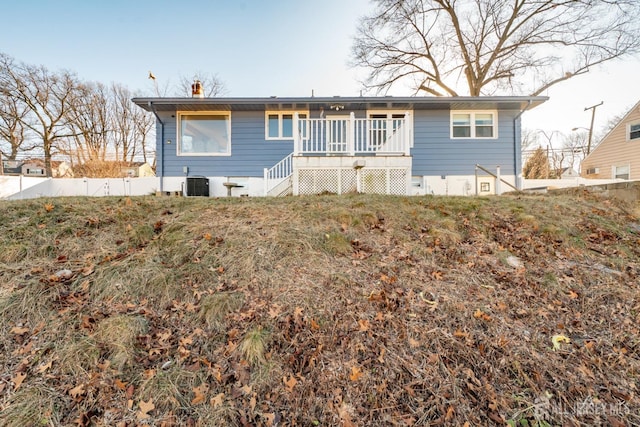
618 155
137 169
568 173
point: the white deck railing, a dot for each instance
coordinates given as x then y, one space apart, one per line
278 173
351 136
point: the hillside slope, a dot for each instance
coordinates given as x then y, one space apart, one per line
320 311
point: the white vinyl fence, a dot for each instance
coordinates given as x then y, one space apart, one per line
16 188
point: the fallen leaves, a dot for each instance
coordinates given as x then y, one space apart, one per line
393 328
144 408
356 373
200 393
479 314
290 383
217 400
44 367
77 391
19 330
18 379
557 340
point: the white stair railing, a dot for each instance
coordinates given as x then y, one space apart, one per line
278 173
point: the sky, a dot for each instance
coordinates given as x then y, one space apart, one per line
256 47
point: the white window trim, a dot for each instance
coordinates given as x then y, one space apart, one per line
613 171
390 114
473 113
179 115
628 135
279 113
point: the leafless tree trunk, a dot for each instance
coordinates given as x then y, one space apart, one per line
131 125
13 138
47 96
520 46
144 123
123 126
88 121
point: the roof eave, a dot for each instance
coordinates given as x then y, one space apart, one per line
311 103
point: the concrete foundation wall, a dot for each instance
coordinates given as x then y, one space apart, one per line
628 190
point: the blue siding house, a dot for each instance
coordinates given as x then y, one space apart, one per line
392 145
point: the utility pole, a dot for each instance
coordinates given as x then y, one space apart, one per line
593 116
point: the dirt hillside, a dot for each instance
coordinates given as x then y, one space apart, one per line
320 311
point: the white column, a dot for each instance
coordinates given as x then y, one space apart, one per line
407 134
498 182
351 134
296 135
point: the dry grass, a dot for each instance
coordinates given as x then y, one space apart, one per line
351 310
32 406
117 336
253 346
214 308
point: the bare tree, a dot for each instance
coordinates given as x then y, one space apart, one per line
13 139
131 125
529 138
521 46
47 96
212 85
537 166
58 115
88 116
144 126
123 124
575 147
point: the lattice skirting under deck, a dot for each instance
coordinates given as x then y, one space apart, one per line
341 181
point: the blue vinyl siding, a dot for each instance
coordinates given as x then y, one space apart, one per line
435 153
250 152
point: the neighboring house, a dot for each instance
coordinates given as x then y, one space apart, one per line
567 173
137 169
11 167
618 155
35 167
393 145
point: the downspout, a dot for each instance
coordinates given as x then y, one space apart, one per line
153 110
515 146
